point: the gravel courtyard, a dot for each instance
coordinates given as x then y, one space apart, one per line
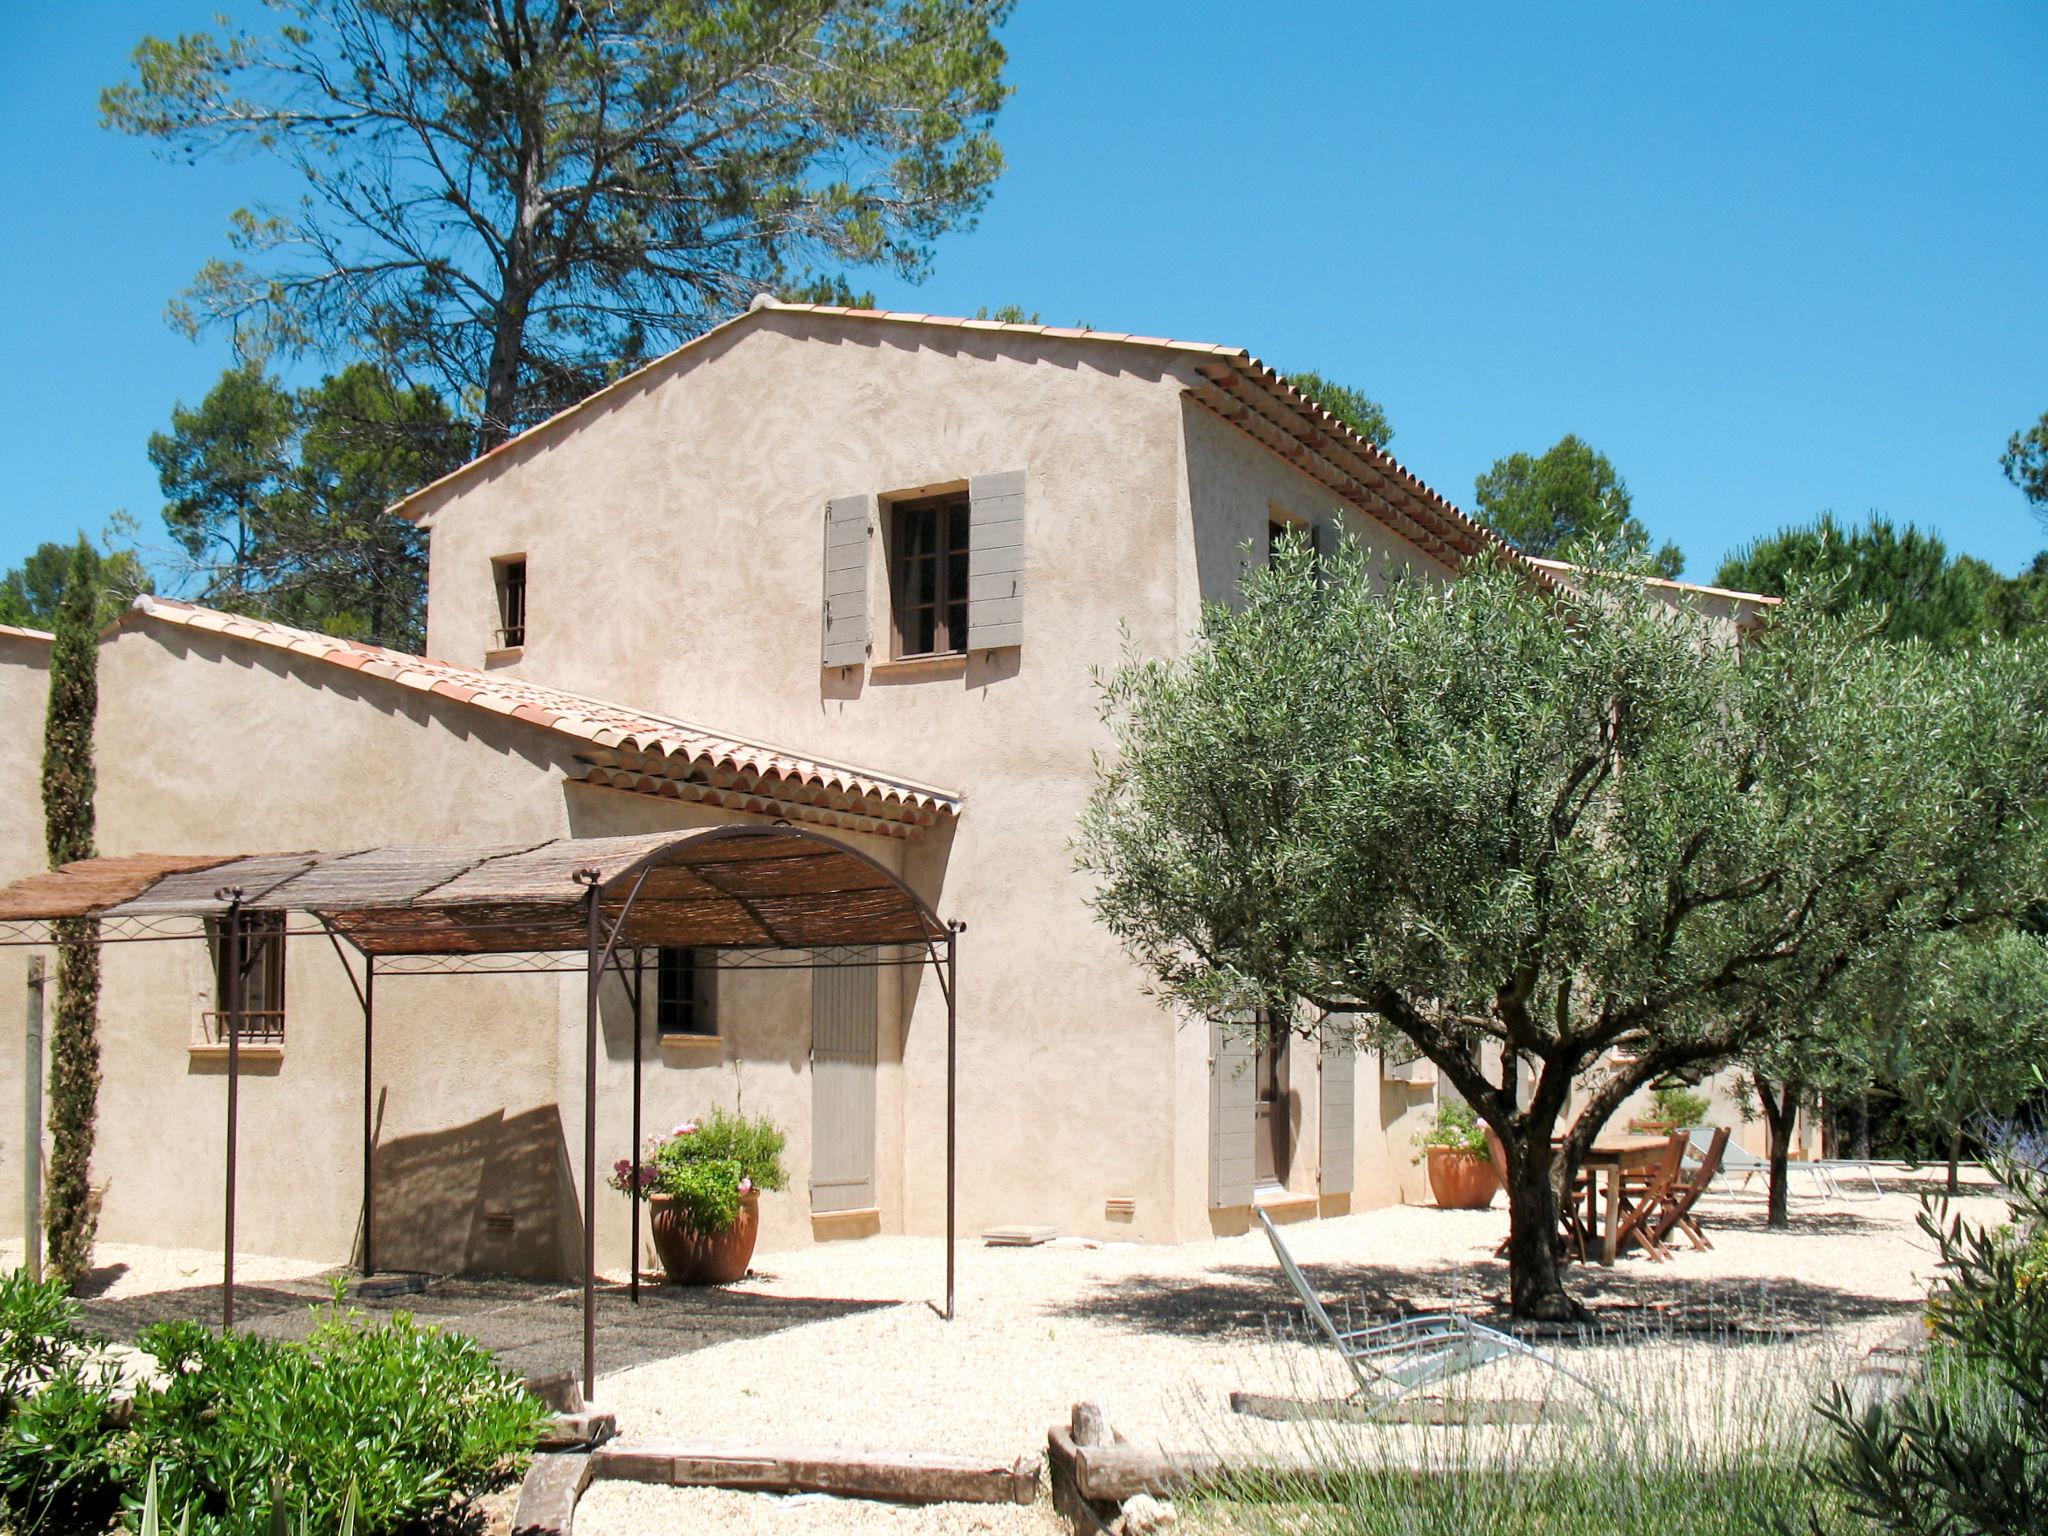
842 1344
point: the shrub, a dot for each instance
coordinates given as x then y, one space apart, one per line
1458 1127
39 1331
403 1421
1676 1104
389 1425
1965 1450
60 1453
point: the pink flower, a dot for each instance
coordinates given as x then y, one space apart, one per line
687 1128
746 1185
623 1167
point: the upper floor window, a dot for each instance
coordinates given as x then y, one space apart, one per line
261 961
509 574
685 992
928 551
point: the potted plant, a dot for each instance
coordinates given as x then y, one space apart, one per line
703 1183
1461 1172
1673 1107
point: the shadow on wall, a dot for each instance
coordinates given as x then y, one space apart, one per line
493 1197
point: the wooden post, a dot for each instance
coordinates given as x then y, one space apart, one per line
231 951
633 1199
32 1127
593 975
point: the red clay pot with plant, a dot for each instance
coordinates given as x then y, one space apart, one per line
1462 1181
704 1258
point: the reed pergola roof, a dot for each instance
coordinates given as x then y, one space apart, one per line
738 887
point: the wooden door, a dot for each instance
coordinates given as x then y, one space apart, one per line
843 1018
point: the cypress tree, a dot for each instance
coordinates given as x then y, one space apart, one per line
68 1216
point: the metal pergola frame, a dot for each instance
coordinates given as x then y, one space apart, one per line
602 949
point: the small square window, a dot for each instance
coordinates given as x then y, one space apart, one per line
685 992
509 574
262 967
928 542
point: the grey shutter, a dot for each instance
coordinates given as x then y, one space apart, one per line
1233 1113
995 560
843 1056
846 581
1338 1063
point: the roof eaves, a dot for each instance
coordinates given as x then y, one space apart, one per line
689 748
16 632
1567 567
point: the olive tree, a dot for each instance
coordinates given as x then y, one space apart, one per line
1564 845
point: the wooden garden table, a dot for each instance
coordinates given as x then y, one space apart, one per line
1615 1156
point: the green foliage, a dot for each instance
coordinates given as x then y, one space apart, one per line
1516 833
753 1142
1965 1451
68 789
519 211
279 499
1362 414
383 1427
704 1167
1676 1104
1569 502
39 1331
1903 574
33 592
1456 1126
60 1453
704 1192
2025 463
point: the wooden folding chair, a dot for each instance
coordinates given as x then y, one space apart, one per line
1674 1210
1642 1195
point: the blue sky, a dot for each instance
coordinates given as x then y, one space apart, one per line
1771 260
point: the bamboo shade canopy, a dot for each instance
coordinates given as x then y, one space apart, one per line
749 887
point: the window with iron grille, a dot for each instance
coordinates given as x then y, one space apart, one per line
685 992
261 961
510 576
928 546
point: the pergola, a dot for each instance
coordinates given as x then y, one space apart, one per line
766 897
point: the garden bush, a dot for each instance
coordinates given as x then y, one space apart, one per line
397 1423
1965 1451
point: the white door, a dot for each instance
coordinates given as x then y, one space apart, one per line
843 1083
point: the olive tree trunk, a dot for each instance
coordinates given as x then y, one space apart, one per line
1781 1111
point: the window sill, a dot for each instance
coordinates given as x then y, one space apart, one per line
689 1045
246 1053
914 668
504 656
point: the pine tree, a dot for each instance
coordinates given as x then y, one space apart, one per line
68 1215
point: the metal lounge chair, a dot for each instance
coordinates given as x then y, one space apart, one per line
1393 1360
1748 1164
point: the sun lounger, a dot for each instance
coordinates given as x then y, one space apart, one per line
1736 1160
1393 1360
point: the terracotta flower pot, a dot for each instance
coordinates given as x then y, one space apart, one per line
1462 1181
695 1258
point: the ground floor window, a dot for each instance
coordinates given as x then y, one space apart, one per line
686 992
260 958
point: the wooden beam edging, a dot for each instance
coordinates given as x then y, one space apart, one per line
547 1499
909 1477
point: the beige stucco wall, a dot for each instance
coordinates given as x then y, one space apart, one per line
210 744
674 541
24 695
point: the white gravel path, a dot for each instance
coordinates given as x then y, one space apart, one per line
122 1270
1161 1335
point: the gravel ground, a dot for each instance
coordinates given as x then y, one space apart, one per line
1161 1336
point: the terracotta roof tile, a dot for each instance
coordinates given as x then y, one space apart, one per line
681 760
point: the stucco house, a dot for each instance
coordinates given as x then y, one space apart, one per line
847 568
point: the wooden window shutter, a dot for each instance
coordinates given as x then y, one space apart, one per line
1338 1064
846 581
995 561
1233 1113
